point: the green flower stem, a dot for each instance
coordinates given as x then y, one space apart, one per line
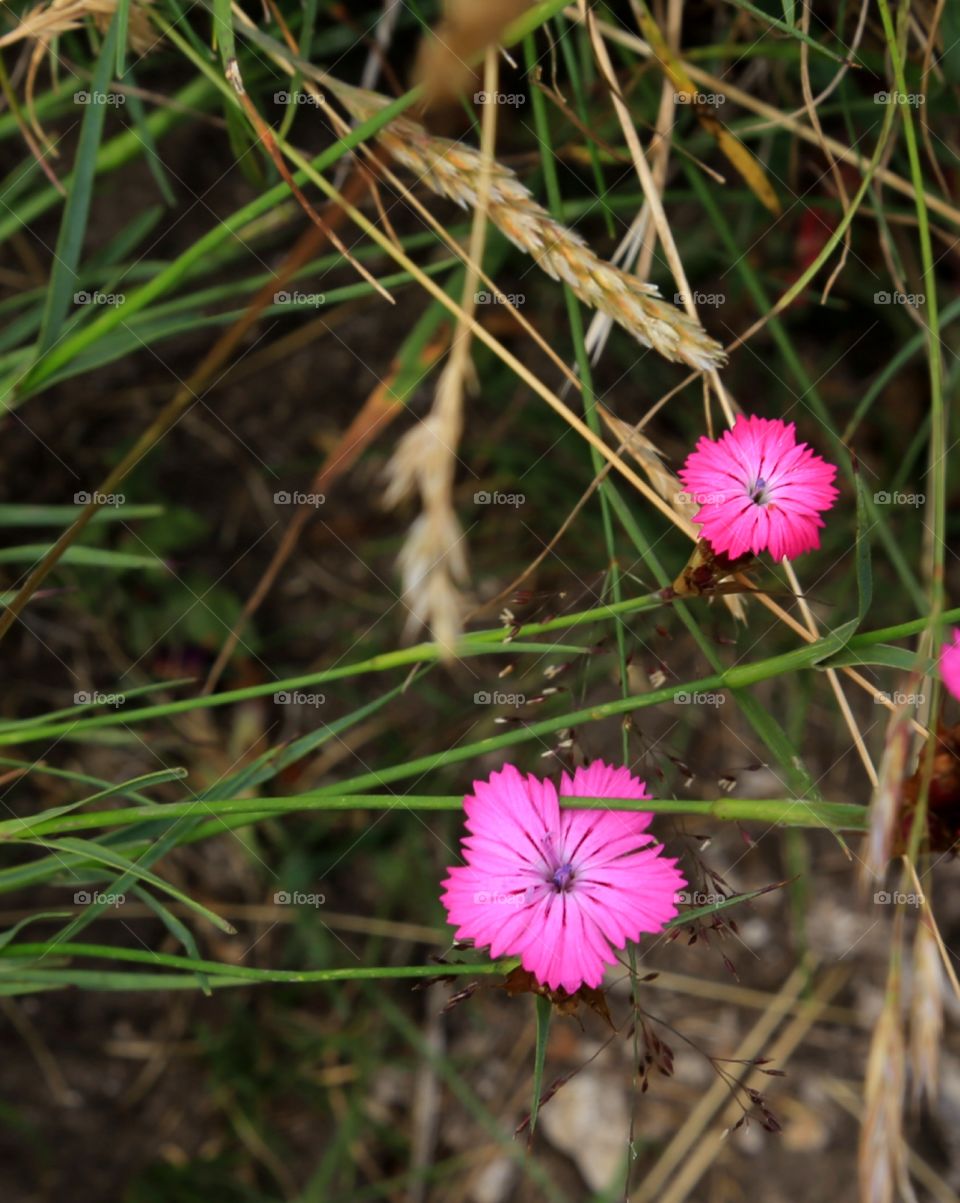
789 812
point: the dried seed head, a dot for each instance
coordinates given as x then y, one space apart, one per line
433 560
887 798
881 1159
454 170
926 1012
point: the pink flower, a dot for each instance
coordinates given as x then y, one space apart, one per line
950 664
558 888
759 489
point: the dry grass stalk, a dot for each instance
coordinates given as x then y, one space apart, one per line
926 1012
882 1164
885 806
43 24
453 170
649 457
47 21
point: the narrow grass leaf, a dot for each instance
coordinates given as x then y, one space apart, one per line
64 277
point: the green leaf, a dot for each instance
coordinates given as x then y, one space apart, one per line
28 823
122 23
66 515
864 572
178 930
223 35
64 278
901 658
109 856
81 557
703 912
950 29
544 1012
7 936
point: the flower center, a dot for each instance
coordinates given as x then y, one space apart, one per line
562 878
759 492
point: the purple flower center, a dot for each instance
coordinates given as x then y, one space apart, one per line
562 878
759 492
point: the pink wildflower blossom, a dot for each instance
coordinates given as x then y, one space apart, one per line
759 489
950 664
559 888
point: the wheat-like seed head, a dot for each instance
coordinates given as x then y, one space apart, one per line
433 560
453 170
926 1012
886 802
48 21
881 1167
